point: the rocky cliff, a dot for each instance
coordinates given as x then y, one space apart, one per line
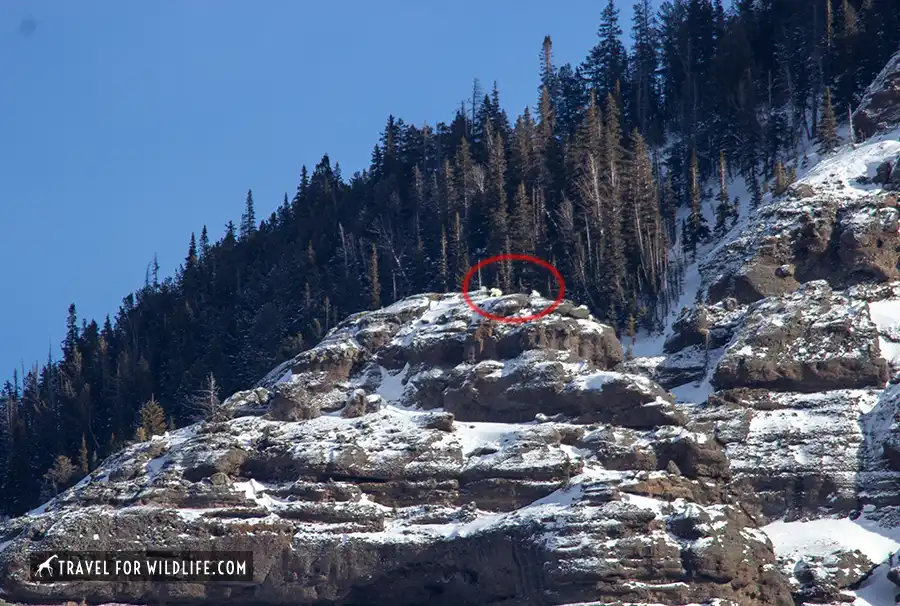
788 356
421 454
879 109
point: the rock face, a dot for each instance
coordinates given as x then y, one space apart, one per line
788 356
840 240
880 105
812 340
421 455
822 579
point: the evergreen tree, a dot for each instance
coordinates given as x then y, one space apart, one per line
606 63
827 135
248 219
644 70
498 237
152 418
698 229
755 191
613 268
522 228
83 458
443 267
190 261
204 243
644 227
459 250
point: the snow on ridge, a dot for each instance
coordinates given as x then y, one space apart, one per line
837 173
824 536
886 316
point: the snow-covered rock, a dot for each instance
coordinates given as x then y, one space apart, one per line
814 339
879 108
422 454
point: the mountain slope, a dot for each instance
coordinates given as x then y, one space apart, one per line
788 360
749 455
420 453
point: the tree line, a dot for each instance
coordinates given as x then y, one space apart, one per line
591 178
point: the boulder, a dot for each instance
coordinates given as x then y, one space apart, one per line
882 173
292 402
879 108
811 340
801 190
869 242
245 403
823 579
355 405
690 328
894 183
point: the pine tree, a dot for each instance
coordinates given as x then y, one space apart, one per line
522 228
191 259
644 227
204 243
153 418
755 190
248 219
698 229
606 63
72 333
83 457
498 237
459 250
645 66
374 282
614 268
828 137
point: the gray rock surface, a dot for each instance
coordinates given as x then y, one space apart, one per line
879 108
420 455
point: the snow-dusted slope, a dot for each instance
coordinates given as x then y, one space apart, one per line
419 454
788 358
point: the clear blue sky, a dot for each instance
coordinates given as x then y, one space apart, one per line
124 126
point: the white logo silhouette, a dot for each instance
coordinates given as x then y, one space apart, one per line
46 566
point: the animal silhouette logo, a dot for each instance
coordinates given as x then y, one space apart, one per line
45 566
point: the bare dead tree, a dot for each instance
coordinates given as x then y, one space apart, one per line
206 403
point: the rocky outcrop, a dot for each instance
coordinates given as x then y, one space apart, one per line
879 108
869 241
421 455
812 340
823 579
797 453
842 241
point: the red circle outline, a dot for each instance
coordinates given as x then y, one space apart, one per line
521 319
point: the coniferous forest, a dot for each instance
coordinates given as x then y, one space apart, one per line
589 178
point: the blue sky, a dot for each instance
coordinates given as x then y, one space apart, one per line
124 126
